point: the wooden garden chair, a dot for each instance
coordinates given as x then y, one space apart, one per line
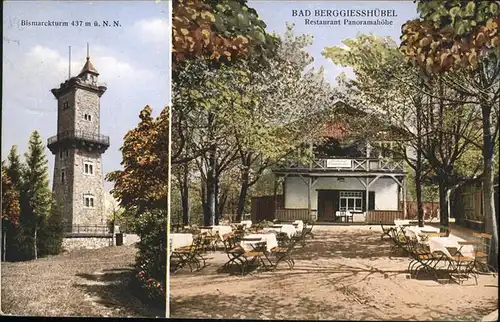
249 257
460 266
189 255
210 239
386 231
421 258
282 238
307 230
301 237
283 253
400 240
481 252
232 250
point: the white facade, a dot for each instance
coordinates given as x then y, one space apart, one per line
296 196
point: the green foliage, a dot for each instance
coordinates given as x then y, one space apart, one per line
36 215
37 197
252 119
10 200
51 232
219 31
452 34
151 257
15 167
142 184
19 244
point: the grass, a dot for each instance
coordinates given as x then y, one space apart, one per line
79 283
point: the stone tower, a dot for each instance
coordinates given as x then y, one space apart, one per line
78 184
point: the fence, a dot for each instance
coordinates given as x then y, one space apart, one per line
295 214
431 210
264 208
384 216
87 230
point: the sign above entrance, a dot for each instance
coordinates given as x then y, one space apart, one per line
338 163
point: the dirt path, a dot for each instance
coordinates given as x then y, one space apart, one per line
79 283
345 273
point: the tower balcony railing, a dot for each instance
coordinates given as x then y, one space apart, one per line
79 135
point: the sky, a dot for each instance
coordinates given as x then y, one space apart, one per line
133 60
276 13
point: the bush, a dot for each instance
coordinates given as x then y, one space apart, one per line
19 244
50 234
151 258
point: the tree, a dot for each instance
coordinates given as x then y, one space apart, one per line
10 208
464 36
15 167
240 117
220 31
51 232
36 195
142 184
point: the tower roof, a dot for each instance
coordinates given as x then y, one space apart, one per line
88 68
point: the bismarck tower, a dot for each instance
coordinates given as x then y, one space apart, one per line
78 180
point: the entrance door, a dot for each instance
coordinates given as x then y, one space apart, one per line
327 204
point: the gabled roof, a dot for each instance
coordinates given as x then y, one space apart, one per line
88 68
350 122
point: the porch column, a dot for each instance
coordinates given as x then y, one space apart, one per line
367 194
275 198
404 197
309 196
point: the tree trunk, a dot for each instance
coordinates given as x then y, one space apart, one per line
34 243
243 196
210 215
221 205
418 187
4 243
217 209
443 205
490 219
204 202
185 195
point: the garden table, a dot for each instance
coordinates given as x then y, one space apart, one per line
290 230
400 222
253 239
443 244
222 230
419 232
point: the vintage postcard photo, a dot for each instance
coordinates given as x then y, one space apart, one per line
334 160
82 83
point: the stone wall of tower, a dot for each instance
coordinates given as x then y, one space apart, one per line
87 102
88 184
66 117
63 191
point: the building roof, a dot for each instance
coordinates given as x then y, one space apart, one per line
334 130
349 122
88 68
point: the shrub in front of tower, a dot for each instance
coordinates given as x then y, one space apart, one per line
51 232
151 262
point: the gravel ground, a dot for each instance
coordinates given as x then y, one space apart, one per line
79 283
345 273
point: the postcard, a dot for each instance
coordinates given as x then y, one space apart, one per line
334 160
78 79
